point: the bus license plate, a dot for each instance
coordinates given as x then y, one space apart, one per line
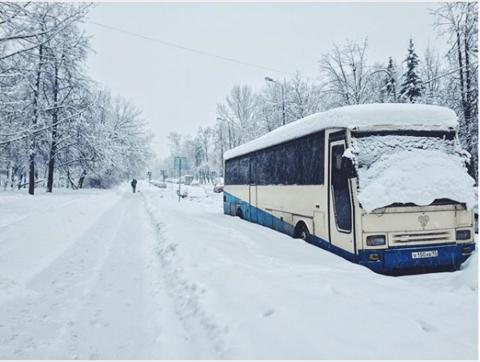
424 254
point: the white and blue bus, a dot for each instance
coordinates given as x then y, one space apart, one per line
382 185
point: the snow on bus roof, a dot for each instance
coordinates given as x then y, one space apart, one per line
377 116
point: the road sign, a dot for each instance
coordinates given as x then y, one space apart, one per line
180 162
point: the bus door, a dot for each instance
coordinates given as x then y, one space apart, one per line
341 223
252 194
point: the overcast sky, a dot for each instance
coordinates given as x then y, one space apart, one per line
179 90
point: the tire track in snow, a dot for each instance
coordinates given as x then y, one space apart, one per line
137 317
186 294
115 318
32 325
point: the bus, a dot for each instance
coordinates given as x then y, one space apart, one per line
382 185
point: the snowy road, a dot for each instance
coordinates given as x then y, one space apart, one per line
115 275
103 295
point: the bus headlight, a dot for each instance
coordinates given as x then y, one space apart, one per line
466 250
463 234
376 240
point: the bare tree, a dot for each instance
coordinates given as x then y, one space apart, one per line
21 30
65 55
431 70
239 114
54 121
458 22
346 73
303 97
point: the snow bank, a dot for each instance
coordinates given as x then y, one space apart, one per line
417 176
468 279
364 116
260 294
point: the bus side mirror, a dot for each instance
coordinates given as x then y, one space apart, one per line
348 167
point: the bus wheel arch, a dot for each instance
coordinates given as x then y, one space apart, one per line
239 212
301 231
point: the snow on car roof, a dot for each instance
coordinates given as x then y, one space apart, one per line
377 116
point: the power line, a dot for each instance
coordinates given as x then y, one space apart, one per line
450 72
227 59
191 50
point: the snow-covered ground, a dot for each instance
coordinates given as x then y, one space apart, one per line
111 274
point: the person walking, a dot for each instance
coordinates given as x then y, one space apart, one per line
134 185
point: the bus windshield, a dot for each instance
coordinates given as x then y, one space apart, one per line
400 168
371 146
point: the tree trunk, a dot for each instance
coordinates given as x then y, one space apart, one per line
460 65
468 94
70 181
53 145
9 171
81 179
33 143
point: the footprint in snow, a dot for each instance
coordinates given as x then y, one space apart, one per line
426 327
268 312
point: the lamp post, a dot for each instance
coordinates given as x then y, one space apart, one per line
282 86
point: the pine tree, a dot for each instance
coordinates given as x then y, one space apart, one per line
390 83
411 87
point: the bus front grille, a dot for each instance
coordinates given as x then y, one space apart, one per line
422 237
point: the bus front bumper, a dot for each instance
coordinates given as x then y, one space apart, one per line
403 260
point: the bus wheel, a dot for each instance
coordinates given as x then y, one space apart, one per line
239 213
301 232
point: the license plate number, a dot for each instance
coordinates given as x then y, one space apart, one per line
424 254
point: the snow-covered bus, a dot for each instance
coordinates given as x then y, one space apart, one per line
382 185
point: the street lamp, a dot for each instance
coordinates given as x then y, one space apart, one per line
282 86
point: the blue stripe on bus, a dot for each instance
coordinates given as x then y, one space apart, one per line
400 258
390 260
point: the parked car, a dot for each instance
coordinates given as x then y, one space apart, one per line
159 184
187 179
218 188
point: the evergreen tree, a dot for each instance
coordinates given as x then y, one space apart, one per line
390 84
411 87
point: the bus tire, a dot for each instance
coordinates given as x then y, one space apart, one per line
239 213
455 267
301 232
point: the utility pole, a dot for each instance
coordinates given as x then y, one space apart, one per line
179 178
282 86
